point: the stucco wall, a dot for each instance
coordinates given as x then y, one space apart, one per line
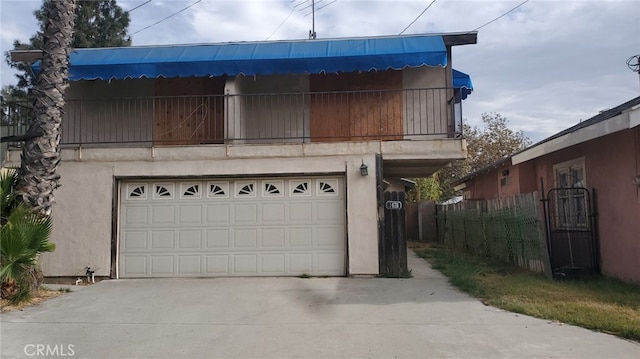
508 185
610 165
525 175
84 205
485 186
611 162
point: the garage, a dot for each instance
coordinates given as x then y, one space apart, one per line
232 227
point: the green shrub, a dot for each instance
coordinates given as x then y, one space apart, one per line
23 236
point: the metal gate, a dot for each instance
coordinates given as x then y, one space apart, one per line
571 232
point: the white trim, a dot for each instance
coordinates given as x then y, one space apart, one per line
576 162
600 129
634 117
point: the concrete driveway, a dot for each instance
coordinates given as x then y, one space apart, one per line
421 317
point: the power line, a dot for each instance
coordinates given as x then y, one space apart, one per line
282 23
170 16
321 7
287 18
139 6
416 19
501 16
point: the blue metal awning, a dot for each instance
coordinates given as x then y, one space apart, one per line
258 58
462 82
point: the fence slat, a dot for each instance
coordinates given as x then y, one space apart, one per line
507 229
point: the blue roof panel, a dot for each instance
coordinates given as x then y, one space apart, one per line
259 58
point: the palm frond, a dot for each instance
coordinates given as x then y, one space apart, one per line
8 195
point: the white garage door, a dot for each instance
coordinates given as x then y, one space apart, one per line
238 227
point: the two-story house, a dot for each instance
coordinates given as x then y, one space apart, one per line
247 158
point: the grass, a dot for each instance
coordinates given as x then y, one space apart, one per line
601 304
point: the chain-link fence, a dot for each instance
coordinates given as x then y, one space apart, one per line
507 229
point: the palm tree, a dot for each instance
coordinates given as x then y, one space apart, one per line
23 237
40 154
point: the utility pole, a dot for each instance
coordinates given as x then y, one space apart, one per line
312 32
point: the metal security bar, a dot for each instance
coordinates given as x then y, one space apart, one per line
253 118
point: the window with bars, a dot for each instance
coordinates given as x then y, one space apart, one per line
571 199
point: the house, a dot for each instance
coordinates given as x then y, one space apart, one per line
589 175
247 158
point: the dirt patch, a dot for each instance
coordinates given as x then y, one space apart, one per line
43 294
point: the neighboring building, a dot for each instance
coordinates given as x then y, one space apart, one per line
246 159
602 155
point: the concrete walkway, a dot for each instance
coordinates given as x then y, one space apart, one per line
420 317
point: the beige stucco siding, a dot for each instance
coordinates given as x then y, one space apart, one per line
85 203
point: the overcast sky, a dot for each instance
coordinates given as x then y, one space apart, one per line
545 66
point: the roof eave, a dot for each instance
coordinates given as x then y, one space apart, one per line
605 123
463 38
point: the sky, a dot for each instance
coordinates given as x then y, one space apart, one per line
545 66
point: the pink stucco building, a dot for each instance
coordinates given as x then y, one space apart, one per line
601 155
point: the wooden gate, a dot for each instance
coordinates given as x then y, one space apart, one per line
393 243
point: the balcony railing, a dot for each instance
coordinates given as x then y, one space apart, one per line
253 118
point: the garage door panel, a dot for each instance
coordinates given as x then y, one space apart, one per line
189 265
326 213
217 239
245 239
330 236
217 264
301 212
263 227
163 214
245 213
301 263
273 213
273 238
273 264
246 264
218 213
190 239
162 265
162 240
328 262
190 214
163 191
135 241
301 238
136 214
134 265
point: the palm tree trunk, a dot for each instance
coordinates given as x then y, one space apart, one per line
41 154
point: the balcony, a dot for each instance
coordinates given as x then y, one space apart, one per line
302 117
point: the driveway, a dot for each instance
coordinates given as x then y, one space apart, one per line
420 317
